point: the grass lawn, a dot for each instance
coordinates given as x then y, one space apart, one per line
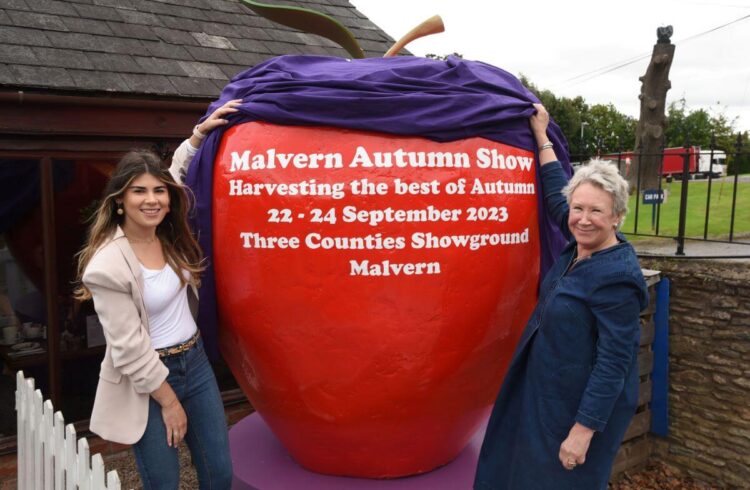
720 210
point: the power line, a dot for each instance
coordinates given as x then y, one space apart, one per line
584 77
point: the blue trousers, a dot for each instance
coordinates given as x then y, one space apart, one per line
192 379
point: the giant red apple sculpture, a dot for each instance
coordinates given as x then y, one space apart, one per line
371 287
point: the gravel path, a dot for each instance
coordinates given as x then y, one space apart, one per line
656 476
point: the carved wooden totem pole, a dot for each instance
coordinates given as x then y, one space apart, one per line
649 135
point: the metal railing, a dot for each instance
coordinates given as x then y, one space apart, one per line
689 167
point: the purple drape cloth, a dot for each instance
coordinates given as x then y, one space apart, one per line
439 100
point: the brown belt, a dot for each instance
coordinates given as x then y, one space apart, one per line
179 348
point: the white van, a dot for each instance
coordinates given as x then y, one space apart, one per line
719 167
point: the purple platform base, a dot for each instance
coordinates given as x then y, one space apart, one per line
261 463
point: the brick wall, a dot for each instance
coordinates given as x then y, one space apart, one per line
709 370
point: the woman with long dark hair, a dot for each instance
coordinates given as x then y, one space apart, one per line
141 266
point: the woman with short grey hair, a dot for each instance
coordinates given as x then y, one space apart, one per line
572 387
606 176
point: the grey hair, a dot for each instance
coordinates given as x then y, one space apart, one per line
604 175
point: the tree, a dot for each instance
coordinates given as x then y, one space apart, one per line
590 130
607 130
610 129
442 57
649 133
698 127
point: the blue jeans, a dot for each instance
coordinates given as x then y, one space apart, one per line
192 379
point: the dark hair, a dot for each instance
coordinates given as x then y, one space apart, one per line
181 250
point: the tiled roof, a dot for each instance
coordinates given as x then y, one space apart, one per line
176 48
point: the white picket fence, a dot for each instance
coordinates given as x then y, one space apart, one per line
49 457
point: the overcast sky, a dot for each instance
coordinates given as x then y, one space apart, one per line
551 42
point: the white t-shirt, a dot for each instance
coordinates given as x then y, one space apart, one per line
167 307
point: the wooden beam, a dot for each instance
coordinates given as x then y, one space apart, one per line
638 426
70 120
645 361
78 148
54 365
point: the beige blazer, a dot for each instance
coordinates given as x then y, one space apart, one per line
131 368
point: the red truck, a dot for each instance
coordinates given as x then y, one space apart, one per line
699 162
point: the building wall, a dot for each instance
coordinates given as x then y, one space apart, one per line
709 370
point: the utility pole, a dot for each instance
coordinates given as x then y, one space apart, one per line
649 134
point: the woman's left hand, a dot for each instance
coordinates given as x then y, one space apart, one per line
574 448
216 119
